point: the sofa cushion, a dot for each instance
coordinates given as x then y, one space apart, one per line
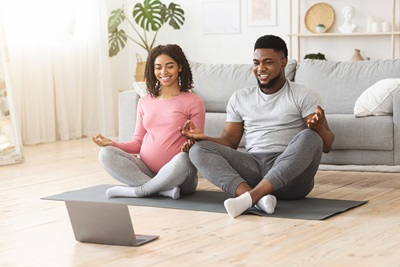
215 83
140 88
369 133
290 69
366 133
377 99
341 83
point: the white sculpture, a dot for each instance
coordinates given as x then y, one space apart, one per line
348 26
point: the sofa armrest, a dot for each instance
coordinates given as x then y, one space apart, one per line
396 128
127 109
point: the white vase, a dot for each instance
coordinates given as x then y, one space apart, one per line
370 20
376 26
386 27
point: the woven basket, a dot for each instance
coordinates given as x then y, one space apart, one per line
140 66
320 13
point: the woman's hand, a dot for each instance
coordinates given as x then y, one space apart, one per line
187 145
101 140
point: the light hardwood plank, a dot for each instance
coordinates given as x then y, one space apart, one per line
37 232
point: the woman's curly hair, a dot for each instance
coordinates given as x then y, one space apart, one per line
175 52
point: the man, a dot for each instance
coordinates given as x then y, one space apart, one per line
285 132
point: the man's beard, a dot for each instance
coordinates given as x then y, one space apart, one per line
271 83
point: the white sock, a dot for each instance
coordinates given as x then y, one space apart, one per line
173 193
267 204
238 205
121 191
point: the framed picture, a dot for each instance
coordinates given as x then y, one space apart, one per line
222 16
261 12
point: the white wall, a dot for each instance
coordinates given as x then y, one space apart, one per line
238 47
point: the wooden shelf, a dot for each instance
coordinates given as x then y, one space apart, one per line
297 34
354 34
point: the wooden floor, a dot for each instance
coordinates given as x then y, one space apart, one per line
35 232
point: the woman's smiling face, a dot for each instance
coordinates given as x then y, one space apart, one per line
166 70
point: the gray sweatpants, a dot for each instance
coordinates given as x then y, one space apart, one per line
131 170
291 172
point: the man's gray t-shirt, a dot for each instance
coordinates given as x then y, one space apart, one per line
271 121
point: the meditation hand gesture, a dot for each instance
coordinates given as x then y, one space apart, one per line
317 121
100 140
187 145
192 133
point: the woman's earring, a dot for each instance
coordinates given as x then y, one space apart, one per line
158 85
179 80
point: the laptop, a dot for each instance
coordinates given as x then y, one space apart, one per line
104 223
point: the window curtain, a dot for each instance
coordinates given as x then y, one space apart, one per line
60 70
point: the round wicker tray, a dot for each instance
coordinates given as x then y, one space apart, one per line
320 13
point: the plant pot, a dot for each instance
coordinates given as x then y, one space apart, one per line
320 28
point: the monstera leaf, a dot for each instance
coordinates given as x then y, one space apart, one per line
150 17
116 41
116 38
174 16
116 18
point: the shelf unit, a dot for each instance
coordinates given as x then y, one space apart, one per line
298 35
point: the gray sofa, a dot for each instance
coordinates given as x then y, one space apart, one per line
370 140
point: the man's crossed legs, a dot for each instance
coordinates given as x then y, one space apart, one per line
258 179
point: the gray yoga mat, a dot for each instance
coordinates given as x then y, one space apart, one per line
211 201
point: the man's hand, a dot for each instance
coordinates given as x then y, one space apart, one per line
317 120
192 133
319 123
100 140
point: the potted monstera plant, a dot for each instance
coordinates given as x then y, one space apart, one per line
148 19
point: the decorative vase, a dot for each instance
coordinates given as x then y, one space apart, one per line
357 55
370 20
386 27
320 28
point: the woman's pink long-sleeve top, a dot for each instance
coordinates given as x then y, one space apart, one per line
157 138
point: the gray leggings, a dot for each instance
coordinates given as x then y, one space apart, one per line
131 170
291 172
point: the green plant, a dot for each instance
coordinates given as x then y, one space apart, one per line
315 56
150 17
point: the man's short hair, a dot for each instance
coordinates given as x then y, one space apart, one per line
273 42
